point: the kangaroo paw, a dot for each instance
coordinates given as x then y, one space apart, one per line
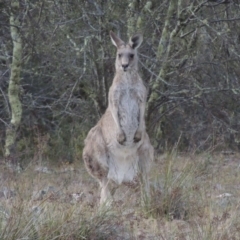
137 136
121 137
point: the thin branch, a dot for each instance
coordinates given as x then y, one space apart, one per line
225 20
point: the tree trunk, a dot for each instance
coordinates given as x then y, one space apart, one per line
13 87
163 54
132 19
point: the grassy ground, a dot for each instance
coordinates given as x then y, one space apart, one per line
192 197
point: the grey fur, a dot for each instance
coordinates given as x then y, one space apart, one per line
118 147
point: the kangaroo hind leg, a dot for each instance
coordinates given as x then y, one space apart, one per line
95 157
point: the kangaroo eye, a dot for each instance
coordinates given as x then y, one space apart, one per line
119 55
131 55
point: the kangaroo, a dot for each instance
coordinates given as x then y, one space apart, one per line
118 148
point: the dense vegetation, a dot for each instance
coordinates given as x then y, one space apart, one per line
189 59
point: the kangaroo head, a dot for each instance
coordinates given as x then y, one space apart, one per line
126 52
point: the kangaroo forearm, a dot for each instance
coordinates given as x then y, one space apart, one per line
116 118
141 120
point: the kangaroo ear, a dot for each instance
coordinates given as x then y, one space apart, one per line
117 42
136 40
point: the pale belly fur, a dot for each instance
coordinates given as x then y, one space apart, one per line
123 164
123 159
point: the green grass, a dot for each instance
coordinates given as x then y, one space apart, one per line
186 201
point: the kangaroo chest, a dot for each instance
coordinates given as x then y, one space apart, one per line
130 97
129 102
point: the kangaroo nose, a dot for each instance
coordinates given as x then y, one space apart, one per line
124 66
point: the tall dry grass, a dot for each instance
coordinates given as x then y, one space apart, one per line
191 197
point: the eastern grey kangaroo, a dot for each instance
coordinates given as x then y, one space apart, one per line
118 147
